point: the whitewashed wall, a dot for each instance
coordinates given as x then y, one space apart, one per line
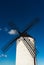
23 57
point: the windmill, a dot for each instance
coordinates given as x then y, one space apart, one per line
25 49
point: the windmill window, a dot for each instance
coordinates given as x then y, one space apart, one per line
29 39
19 40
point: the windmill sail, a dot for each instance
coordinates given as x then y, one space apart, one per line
7 46
30 42
12 25
29 47
29 26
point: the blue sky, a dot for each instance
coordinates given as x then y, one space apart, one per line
22 12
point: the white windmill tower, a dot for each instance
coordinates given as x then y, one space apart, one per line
25 49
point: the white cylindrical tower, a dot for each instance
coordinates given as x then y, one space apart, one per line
24 54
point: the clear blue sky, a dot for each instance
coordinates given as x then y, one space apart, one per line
22 12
